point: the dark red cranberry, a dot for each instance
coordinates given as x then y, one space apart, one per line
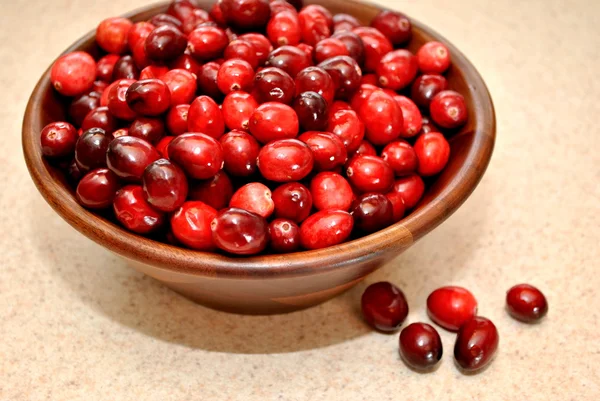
376 46
526 303
345 73
311 109
328 149
448 109
401 157
138 33
240 232
278 6
191 225
397 205
181 9
420 346
372 212
128 157
292 201
117 100
290 59
148 129
326 228
243 50
207 42
274 85
273 120
73 173
235 75
134 213
206 117
284 29
249 15
370 174
111 34
476 344
315 79
451 306
177 119
199 155
240 151
316 23
411 189
90 150
284 236
434 58
328 48
397 69
426 87
106 66
165 43
215 192
165 186
125 68
285 160
237 109
433 152
346 125
207 80
261 44
100 118
393 25
186 62
384 306
153 72
353 43
344 22
162 145
99 86
411 116
149 97
254 197
182 86
97 189
58 139
163 19
382 117
73 74
331 191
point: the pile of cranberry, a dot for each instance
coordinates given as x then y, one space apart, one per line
258 123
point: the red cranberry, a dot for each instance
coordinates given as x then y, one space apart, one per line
165 43
326 228
106 66
177 119
284 236
163 19
278 6
181 9
182 86
235 75
125 68
272 120
243 50
397 69
285 160
353 43
186 62
240 232
293 201
237 109
191 225
261 44
393 25
246 14
207 42
338 105
284 29
215 192
526 303
328 48
426 87
369 79
290 59
199 155
111 34
206 117
207 80
360 97
345 73
433 152
345 22
254 197
397 205
376 46
384 306
99 86
100 118
149 129
366 148
372 212
401 157
411 116
382 117
163 144
411 189
348 127
311 109
73 74
216 14
315 79
428 126
97 189
420 346
448 109
316 23
308 50
133 212
328 150
451 306
138 33
117 100
128 157
149 97
274 85
476 344
240 151
370 174
165 186
90 149
153 72
58 139
331 191
434 58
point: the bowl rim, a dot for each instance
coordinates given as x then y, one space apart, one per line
191 262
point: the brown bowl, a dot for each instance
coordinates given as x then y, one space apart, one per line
274 283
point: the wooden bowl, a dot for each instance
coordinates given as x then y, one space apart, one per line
274 283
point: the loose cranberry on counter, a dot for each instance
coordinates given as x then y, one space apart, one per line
425 87
246 14
370 174
58 139
401 157
191 225
326 228
100 118
451 307
162 146
148 97
106 66
133 212
328 48
274 121
328 149
129 156
448 109
111 34
284 29
73 74
149 129
345 73
182 86
526 303
315 79
117 100
376 46
186 62
254 197
411 116
90 149
243 50
207 43
411 189
353 43
285 160
165 43
153 72
476 344
240 151
420 346
237 109
177 119
261 44
97 189
165 185
331 191
240 232
293 201
372 212
284 236
382 117
234 75
393 25
311 109
345 22
207 80
434 58
346 125
205 116
274 85
397 69
290 59
316 23
433 152
384 306
125 68
215 192
200 155
398 206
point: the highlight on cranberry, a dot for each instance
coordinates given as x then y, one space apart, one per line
526 303
256 126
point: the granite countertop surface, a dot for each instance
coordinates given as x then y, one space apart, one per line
77 324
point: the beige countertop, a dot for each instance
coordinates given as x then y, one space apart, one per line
77 324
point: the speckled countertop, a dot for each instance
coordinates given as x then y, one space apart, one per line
77 324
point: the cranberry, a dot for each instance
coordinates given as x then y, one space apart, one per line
73 173
278 6
397 69
370 174
353 43
284 29
261 44
284 236
420 346
182 86
240 232
316 23
344 22
243 50
99 86
217 14
237 109
165 186
111 34
128 157
428 126
191 225
411 116
186 62
138 33
90 149
246 14
411 189
328 48
345 73
451 307
311 109
285 160
382 117
149 129
338 105
401 157
361 96
366 148
384 306
177 119
207 80
117 100
97 189
125 68
372 212
448 109
272 120
100 118
315 79
526 303
163 144
163 19
207 42
476 344
290 59
398 207
153 72
149 97
348 127
293 201
133 212
331 191
206 117
58 139
433 152
181 9
240 151
369 79
426 87
215 192
199 155
326 228
235 74
328 150
274 85
165 43
197 17
393 25
106 66
376 46
308 50
254 197
434 58
73 74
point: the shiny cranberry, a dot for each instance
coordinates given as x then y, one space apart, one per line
163 144
345 22
311 109
272 120
372 212
149 97
369 79
215 192
353 43
376 46
316 23
140 56
182 86
284 236
217 14
105 67
186 62
451 306
199 155
206 117
73 74
138 33
82 105
326 228
163 19
207 42
240 151
177 119
426 87
278 6
290 59
328 149
181 9
284 29
134 213
411 116
393 25
420 346
191 225
448 109
254 197
366 148
262 45
382 117
111 34
308 50
361 96
338 105
331 191
153 72
526 303
397 69
433 152
197 17
90 149
99 86
476 344
285 160
292 201
237 109
398 206
246 14
401 157
315 79
117 100
240 232
370 174
384 306
345 73
165 43
411 189
58 139
207 80
243 50
328 48
165 185
428 125
128 157
235 75
149 129
348 127
97 189
433 58
274 85
125 68
100 118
